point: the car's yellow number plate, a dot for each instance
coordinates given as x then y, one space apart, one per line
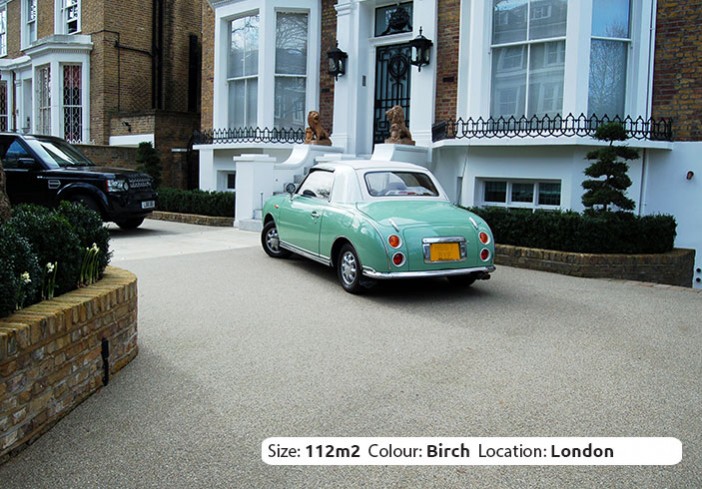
444 252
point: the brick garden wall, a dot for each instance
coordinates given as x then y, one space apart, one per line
673 268
51 355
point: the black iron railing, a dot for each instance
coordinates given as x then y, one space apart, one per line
558 126
249 135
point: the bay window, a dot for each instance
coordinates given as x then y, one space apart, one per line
290 70
263 64
528 57
611 39
242 71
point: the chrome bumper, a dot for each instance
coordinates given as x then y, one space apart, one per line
370 273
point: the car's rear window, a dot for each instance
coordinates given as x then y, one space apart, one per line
400 183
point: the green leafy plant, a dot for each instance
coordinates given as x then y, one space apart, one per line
24 282
609 171
53 239
16 258
197 202
90 269
89 229
48 287
599 232
149 162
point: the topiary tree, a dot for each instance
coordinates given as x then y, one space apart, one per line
611 190
149 162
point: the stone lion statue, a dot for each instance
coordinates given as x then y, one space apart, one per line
315 133
399 134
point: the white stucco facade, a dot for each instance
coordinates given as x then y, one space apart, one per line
551 168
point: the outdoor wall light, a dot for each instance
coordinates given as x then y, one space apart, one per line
421 50
337 61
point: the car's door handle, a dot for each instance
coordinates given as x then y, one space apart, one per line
315 214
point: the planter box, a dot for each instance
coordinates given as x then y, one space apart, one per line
56 353
672 268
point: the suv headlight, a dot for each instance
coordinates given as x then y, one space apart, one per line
117 185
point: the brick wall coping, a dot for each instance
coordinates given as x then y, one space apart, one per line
52 355
673 268
192 219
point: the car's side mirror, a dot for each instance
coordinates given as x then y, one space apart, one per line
27 163
290 188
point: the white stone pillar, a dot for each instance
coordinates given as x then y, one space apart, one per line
254 184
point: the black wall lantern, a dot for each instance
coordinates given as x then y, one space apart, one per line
337 61
421 50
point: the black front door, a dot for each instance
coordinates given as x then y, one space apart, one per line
392 86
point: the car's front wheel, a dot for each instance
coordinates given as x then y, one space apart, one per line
271 242
131 223
350 271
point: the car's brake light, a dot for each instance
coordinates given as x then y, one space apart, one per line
394 241
484 237
398 259
485 254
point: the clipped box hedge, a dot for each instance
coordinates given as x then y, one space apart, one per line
595 232
219 204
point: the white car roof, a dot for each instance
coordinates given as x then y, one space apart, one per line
348 187
369 165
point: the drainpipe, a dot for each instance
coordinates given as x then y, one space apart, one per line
157 19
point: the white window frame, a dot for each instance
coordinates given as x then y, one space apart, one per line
246 78
508 202
227 11
298 118
29 25
4 106
61 24
64 105
42 98
3 29
475 59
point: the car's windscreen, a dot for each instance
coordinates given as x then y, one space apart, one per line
400 183
60 152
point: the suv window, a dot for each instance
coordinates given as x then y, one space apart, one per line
11 153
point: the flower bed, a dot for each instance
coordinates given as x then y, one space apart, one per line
56 353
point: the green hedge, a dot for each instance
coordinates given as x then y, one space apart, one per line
219 204
36 236
595 232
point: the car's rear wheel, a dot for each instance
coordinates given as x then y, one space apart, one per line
271 242
131 223
350 271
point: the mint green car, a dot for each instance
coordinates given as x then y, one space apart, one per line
374 220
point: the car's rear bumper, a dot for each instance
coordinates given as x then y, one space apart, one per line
481 272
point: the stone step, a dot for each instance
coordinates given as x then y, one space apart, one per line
255 225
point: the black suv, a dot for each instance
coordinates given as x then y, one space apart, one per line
46 170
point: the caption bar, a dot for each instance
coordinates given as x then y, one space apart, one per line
471 451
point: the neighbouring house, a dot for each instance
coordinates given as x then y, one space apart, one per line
103 73
503 109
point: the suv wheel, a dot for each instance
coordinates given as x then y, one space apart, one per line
131 223
88 202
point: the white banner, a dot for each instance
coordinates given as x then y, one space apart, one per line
471 451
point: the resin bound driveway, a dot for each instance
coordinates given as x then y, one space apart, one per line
236 347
